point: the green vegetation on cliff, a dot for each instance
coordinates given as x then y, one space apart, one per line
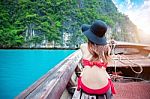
36 23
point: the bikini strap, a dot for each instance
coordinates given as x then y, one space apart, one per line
97 63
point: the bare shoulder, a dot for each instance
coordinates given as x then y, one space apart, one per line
83 48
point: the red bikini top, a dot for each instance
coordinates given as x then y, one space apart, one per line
89 63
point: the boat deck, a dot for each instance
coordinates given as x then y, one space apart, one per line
132 90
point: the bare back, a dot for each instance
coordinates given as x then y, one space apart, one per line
93 77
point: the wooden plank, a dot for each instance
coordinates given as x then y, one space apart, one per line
73 81
124 60
128 44
142 62
130 57
76 94
147 48
127 51
143 48
66 95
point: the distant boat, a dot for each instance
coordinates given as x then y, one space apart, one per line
129 71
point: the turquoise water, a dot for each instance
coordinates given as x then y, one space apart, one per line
20 68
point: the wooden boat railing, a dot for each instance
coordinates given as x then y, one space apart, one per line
53 85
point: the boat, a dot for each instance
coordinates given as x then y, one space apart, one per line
129 72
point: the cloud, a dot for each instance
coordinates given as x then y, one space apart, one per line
123 6
141 16
138 14
129 4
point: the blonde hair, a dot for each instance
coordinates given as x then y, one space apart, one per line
99 52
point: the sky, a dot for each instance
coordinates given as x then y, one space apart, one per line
139 13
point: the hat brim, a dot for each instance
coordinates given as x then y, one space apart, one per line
85 27
95 39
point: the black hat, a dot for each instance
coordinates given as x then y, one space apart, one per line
95 32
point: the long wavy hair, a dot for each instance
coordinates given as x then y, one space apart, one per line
99 52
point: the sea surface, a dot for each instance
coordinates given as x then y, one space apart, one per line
21 68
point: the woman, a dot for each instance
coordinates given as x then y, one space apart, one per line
94 80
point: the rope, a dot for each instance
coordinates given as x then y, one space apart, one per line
131 66
113 45
113 53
